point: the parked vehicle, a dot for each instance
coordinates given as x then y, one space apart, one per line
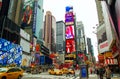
71 71
11 73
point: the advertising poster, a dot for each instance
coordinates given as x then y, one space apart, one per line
70 45
37 58
69 18
27 16
69 9
3 58
10 53
69 33
35 16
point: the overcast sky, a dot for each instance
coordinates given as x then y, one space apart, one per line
85 11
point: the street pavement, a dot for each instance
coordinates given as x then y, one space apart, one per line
45 75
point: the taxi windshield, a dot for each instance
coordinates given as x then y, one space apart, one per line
3 69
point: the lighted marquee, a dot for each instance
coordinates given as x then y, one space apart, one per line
70 45
69 33
69 18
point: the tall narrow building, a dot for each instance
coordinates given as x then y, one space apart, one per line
60 37
80 35
50 31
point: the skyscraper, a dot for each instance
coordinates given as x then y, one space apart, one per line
39 21
80 35
60 36
49 31
90 47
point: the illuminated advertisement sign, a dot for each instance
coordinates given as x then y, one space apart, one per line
26 17
69 8
35 16
69 18
69 33
10 52
70 45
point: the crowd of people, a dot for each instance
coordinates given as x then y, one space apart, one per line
102 72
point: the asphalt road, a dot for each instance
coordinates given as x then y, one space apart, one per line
45 75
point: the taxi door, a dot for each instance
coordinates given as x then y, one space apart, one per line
11 73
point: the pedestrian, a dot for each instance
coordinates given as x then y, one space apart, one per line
97 72
101 72
108 73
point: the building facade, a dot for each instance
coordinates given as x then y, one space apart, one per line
60 37
50 31
90 47
80 35
108 33
39 21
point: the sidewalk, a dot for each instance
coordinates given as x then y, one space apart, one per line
94 76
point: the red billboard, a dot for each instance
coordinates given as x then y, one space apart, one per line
69 33
70 45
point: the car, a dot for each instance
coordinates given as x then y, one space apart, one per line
51 71
55 72
58 72
11 73
65 70
71 71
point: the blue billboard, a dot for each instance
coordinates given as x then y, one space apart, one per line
10 53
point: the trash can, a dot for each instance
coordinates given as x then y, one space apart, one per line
83 72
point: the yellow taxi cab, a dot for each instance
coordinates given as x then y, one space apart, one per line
55 72
51 71
65 70
11 73
71 71
58 72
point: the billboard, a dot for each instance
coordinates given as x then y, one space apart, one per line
10 53
69 32
69 18
27 16
69 9
70 45
37 58
25 44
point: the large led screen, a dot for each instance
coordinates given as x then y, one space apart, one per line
69 17
69 33
70 45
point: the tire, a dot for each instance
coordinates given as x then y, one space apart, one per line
19 77
3 78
